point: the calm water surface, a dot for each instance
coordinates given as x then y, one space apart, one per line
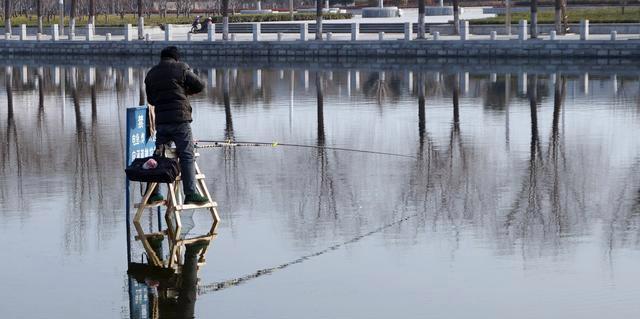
518 197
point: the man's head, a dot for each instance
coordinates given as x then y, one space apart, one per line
170 52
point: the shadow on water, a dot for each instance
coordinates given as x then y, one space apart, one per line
169 295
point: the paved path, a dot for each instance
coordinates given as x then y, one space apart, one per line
158 36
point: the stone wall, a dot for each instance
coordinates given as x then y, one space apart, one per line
388 48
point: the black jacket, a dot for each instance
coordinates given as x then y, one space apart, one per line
167 85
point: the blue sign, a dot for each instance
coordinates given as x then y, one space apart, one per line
138 143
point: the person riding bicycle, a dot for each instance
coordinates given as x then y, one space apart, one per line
195 26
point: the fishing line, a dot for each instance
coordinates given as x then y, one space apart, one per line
215 144
217 286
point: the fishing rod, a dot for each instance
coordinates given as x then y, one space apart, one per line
217 286
229 143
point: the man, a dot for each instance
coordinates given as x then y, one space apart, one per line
168 86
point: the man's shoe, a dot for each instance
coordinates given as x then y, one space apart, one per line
196 199
195 248
154 198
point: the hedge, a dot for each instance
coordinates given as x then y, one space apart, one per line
117 21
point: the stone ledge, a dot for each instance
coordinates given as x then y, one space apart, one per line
474 48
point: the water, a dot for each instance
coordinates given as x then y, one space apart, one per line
522 201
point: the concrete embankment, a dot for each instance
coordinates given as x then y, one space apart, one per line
387 48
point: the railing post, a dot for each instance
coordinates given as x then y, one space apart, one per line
256 31
23 32
127 32
304 29
355 31
55 32
168 32
89 32
464 30
211 32
140 28
584 30
522 30
408 31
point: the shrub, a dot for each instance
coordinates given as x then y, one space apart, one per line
117 21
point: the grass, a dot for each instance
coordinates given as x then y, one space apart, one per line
117 21
594 15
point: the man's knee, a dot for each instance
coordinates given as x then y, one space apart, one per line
186 151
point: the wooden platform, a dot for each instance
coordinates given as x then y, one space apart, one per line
174 207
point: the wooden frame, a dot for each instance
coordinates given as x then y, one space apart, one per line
174 204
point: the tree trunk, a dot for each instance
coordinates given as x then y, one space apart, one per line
558 16
318 19
72 17
225 20
7 16
92 12
534 19
507 20
39 13
456 17
421 19
291 9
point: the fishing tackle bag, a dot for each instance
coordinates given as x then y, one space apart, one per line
166 172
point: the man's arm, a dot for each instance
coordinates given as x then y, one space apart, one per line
150 95
192 83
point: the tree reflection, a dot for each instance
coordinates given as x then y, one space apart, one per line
381 88
12 139
326 194
228 131
526 207
455 178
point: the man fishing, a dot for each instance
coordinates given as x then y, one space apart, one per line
168 85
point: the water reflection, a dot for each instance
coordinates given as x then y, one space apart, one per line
170 295
524 159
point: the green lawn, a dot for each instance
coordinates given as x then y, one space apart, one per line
599 15
116 20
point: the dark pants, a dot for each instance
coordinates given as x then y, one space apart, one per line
180 134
